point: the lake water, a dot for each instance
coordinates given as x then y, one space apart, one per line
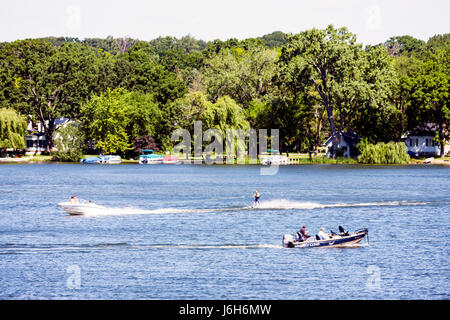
187 232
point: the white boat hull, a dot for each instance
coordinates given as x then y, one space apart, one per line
143 160
77 209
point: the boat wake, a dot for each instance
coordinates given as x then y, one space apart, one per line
276 204
25 248
284 204
117 211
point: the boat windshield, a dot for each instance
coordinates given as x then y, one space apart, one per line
82 201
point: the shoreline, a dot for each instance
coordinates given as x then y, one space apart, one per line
434 162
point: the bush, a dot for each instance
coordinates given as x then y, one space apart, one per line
142 143
384 153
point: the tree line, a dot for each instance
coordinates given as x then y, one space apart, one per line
127 94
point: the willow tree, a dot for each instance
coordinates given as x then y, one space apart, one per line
244 74
222 115
12 129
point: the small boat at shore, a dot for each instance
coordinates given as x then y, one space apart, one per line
81 207
170 160
108 159
148 156
273 157
343 239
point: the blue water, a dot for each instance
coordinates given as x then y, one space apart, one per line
187 232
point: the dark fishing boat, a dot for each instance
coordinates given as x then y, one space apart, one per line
343 239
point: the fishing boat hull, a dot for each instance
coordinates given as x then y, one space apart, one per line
337 240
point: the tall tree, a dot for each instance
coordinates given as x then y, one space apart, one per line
116 117
224 114
243 74
323 59
331 68
48 82
401 45
140 71
429 88
364 102
274 39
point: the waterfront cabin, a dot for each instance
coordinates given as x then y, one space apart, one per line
421 141
347 145
36 141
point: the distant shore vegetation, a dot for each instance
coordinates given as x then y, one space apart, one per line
316 84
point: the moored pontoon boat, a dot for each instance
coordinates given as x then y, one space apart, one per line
149 157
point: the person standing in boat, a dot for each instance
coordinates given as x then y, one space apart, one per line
256 196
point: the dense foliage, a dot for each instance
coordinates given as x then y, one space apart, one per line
384 153
130 94
12 128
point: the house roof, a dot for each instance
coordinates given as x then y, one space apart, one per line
62 120
426 129
350 137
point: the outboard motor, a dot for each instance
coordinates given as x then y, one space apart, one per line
288 241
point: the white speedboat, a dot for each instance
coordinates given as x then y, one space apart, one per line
80 208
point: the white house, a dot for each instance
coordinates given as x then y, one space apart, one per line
347 143
36 141
420 141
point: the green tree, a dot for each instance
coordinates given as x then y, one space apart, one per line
12 129
243 74
329 67
224 114
428 87
365 101
114 118
274 39
439 41
47 82
140 70
322 59
402 45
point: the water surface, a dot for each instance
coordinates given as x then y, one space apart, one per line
187 232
